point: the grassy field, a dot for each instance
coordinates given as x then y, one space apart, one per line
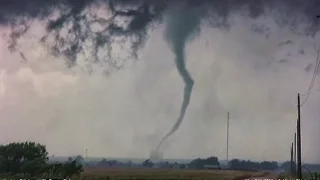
177 174
305 175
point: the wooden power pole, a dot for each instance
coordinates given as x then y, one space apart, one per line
228 137
295 155
291 159
299 169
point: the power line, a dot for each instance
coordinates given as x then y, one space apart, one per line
312 80
314 74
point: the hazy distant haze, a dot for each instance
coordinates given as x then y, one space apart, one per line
126 113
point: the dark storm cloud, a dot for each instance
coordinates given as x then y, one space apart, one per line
140 14
35 8
221 8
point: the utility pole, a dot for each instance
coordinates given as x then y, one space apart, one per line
86 154
299 170
291 159
295 155
228 138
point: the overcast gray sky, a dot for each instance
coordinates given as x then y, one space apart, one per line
253 76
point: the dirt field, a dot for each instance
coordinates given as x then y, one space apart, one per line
163 174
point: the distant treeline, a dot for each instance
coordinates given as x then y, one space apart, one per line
202 163
199 163
245 165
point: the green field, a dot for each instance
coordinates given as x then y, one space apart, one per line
178 174
306 175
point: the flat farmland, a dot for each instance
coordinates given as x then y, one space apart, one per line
153 174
